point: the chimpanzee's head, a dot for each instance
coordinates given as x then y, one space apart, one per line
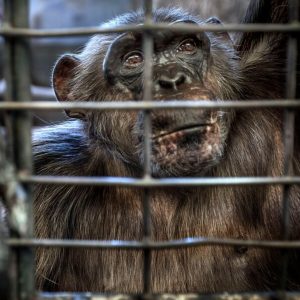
194 66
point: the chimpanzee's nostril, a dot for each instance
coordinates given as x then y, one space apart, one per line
166 82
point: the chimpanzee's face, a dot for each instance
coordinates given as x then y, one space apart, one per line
186 141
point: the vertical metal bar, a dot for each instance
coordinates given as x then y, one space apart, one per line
9 148
17 76
148 53
8 79
289 132
4 250
13 286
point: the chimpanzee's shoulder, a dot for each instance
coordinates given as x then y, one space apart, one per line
62 144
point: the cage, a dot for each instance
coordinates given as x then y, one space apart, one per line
17 248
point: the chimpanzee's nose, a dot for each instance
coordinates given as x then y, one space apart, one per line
169 81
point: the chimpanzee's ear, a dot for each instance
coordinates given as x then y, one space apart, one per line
63 73
222 34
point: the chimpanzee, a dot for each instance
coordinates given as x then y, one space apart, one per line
185 143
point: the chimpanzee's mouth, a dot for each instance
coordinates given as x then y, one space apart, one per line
181 147
183 130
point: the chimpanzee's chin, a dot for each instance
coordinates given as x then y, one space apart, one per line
185 153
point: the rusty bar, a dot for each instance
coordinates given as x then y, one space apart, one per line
162 182
225 296
4 249
184 28
289 133
8 120
182 243
148 105
147 96
18 89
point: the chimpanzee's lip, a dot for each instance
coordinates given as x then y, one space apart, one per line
186 129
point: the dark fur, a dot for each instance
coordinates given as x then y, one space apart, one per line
97 147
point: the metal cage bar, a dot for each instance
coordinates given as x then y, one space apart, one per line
148 105
185 28
225 296
289 133
183 243
162 182
148 53
17 75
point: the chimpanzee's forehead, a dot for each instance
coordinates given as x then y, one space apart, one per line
161 39
172 16
162 15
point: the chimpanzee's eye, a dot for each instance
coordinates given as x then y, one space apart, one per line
187 46
133 59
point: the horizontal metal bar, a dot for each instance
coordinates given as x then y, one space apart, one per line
185 28
225 296
163 182
132 105
37 92
182 243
